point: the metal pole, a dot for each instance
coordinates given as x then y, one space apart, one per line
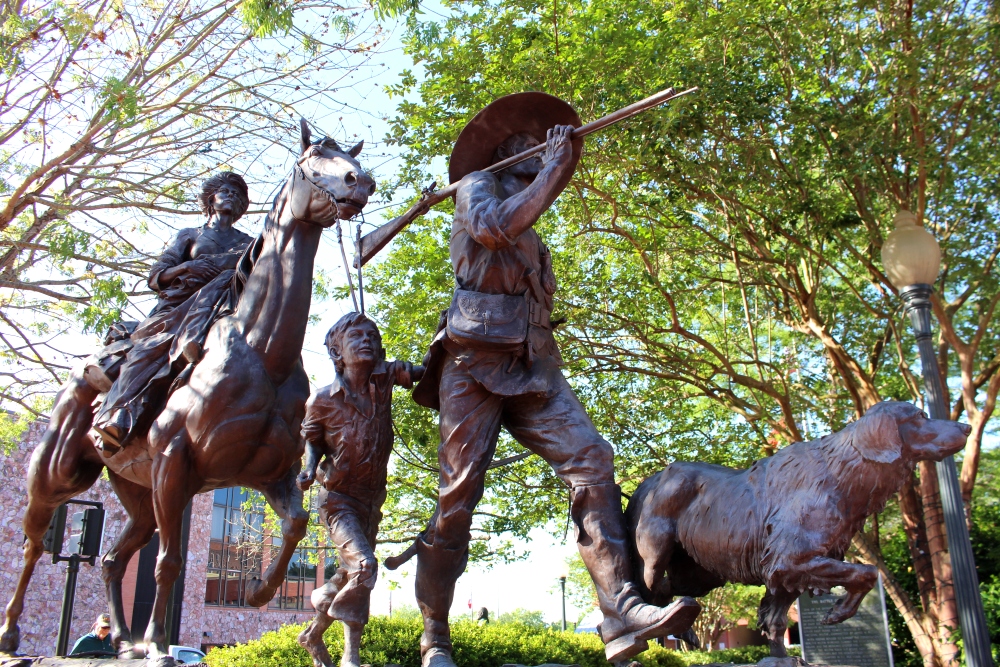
970 604
562 584
69 597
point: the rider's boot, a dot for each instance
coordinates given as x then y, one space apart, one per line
629 622
113 432
438 568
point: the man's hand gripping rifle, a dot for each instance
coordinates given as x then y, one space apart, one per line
377 239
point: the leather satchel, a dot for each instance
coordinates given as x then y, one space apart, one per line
488 321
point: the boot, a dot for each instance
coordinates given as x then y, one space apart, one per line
438 568
629 622
113 431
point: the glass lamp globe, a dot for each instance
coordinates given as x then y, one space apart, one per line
910 254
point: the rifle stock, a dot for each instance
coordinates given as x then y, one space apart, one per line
372 242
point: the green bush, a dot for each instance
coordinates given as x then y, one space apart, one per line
396 641
746 655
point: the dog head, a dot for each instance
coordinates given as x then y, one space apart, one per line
894 430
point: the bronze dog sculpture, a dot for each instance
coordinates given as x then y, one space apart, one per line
787 521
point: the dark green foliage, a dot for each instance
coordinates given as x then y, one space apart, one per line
395 640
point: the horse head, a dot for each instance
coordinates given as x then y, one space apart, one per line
328 183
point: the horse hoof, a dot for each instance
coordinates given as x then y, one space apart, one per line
129 651
10 638
257 594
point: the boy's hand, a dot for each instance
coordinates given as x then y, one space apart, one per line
416 372
305 479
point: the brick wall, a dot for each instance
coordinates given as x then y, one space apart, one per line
200 625
40 621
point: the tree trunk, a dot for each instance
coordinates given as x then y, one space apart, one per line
945 611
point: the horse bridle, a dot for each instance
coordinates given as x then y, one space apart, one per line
299 173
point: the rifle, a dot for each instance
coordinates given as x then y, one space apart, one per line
372 242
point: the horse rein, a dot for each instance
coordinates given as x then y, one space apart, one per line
299 172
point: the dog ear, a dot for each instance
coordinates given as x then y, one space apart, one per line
876 436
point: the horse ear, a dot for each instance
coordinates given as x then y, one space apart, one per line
356 149
306 134
876 435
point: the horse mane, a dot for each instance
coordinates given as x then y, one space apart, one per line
248 260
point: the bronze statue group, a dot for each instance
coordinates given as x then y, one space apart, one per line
215 369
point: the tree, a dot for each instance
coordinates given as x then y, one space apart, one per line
580 590
723 609
112 113
719 259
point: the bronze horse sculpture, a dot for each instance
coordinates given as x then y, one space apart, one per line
234 422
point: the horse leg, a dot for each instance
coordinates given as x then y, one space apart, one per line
138 502
64 464
174 485
285 498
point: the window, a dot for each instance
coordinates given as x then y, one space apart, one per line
189 656
304 572
234 548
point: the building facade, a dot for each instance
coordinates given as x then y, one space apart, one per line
226 547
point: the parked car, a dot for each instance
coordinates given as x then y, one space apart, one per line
185 655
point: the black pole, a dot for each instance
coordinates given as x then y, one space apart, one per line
562 584
69 597
970 604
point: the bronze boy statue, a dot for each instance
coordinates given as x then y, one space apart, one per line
348 433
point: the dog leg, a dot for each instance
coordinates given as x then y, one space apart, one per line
822 574
772 618
654 545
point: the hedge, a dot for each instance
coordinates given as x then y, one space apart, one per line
396 641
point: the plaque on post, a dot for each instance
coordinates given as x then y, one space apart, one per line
860 641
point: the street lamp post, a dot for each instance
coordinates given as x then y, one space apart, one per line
562 585
912 258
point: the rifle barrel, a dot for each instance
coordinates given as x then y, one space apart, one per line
375 240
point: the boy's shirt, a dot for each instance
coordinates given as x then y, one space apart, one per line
356 445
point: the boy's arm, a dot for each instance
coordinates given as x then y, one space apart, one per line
406 374
308 474
312 433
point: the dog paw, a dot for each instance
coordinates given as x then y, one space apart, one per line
835 616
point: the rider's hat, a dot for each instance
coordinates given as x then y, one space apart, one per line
531 113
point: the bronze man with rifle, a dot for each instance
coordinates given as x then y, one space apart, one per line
494 362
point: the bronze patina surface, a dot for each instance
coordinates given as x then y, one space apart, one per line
348 433
231 419
787 521
494 364
194 270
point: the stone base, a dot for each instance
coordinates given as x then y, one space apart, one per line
790 661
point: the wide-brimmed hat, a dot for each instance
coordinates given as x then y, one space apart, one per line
531 113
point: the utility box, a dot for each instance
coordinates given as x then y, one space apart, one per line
86 531
52 543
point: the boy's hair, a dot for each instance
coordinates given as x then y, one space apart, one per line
335 337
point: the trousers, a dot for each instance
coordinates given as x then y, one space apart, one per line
555 426
353 531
